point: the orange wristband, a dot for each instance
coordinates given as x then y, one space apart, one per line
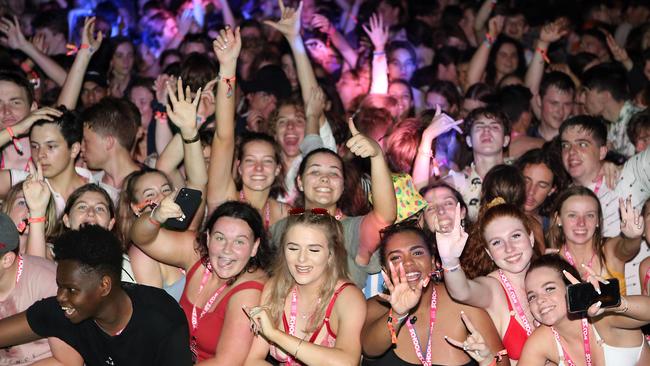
32 220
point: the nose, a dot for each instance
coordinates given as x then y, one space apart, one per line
580 221
227 247
508 246
42 153
61 296
302 256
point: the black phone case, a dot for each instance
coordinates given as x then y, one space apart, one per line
189 201
581 296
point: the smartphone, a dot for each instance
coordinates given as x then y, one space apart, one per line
581 296
189 201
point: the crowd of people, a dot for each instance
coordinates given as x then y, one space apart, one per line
378 182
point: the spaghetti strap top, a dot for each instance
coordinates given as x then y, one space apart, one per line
515 335
560 352
328 341
619 355
209 328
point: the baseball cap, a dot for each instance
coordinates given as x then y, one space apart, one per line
97 78
9 239
269 79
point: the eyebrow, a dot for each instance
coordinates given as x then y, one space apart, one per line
324 166
309 245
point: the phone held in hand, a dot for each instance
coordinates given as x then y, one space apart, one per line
188 200
581 296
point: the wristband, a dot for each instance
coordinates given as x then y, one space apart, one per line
191 140
32 220
544 55
378 53
14 140
452 268
229 82
489 40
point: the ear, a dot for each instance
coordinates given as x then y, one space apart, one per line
109 142
299 183
66 220
506 141
602 152
33 107
238 166
134 209
277 169
75 149
256 246
488 253
468 139
7 260
105 286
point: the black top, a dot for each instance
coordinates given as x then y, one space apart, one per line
391 359
157 333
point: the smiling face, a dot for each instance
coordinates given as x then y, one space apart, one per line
581 154
14 104
290 130
506 60
322 181
79 292
556 107
231 245
402 93
509 244
539 185
307 253
579 218
258 167
409 249
150 187
91 208
441 204
545 291
51 150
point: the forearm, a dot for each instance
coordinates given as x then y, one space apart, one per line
312 354
74 80
172 156
348 53
536 69
379 83
47 64
628 248
144 231
478 63
352 16
635 307
306 77
456 281
36 244
163 134
383 192
376 337
482 17
422 164
228 16
197 174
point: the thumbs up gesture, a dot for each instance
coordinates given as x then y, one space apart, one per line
362 145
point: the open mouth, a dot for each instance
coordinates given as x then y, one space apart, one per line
303 269
413 276
225 262
69 311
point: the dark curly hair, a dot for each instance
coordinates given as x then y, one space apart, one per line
94 248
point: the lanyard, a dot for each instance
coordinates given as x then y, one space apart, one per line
514 300
19 271
569 258
266 208
208 305
292 319
598 185
585 340
414 337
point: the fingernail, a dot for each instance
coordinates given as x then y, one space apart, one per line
599 303
606 282
445 337
598 291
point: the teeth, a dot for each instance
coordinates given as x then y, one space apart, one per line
67 310
324 190
303 269
413 276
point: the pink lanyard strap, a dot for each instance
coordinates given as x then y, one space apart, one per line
19 271
266 209
598 185
208 305
585 339
292 319
414 336
514 300
569 258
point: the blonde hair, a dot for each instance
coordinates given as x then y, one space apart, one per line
50 212
283 282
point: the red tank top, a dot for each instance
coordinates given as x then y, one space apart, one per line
209 330
515 335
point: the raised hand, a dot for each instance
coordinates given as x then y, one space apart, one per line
450 244
595 280
227 45
378 32
474 345
160 87
321 23
360 144
39 43
167 209
495 25
11 30
182 111
184 21
88 36
402 296
26 123
289 23
632 224
36 191
315 104
553 31
440 124
619 53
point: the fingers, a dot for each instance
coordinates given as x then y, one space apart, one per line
457 219
39 172
387 281
570 277
352 127
454 342
179 89
197 97
468 323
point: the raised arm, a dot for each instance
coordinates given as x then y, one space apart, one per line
384 205
74 80
289 26
16 330
228 16
378 34
482 17
550 33
16 40
628 243
480 58
450 246
221 185
440 124
37 196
